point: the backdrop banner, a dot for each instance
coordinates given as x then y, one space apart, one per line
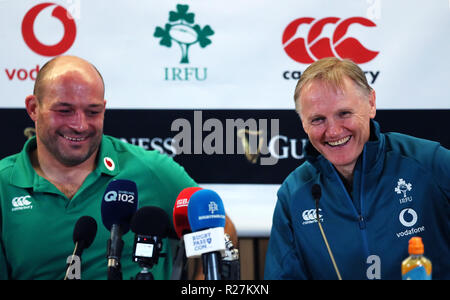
211 83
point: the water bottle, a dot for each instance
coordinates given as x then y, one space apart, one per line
416 266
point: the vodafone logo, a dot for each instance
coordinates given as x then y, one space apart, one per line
408 217
109 163
304 42
32 41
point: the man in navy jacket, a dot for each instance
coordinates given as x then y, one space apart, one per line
377 190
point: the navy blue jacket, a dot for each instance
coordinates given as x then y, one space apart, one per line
401 189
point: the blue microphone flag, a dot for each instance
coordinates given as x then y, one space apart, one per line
206 210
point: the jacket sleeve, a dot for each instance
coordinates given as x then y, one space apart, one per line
3 267
441 170
283 261
3 262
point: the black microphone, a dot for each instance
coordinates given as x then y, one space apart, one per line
119 204
84 234
316 193
150 224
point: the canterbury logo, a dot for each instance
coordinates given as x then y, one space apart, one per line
309 216
21 203
315 45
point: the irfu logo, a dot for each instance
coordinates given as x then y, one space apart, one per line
182 30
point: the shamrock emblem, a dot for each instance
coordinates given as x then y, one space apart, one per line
182 30
403 187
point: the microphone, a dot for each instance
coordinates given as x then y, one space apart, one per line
316 193
180 211
206 216
119 203
182 226
83 235
150 224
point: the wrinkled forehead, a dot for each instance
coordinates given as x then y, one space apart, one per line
71 87
336 86
320 88
71 83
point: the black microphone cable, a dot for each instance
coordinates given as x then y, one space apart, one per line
316 192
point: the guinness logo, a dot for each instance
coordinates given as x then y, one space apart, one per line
248 138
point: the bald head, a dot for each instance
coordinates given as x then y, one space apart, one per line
64 65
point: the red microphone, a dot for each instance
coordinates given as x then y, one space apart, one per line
182 226
180 211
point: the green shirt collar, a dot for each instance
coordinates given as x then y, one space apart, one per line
24 176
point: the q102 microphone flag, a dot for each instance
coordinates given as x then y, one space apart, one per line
119 204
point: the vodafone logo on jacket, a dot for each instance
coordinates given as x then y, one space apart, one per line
304 40
32 41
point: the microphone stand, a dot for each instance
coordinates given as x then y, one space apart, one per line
179 264
325 240
115 246
145 274
231 268
211 263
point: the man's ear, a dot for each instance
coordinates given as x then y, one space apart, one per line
31 105
373 104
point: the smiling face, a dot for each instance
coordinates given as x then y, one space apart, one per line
69 113
337 120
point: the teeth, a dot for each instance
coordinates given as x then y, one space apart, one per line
339 142
74 139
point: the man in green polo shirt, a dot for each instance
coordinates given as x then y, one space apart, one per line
62 173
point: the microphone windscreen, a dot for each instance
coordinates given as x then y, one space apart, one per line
119 204
316 191
180 211
206 210
151 220
84 231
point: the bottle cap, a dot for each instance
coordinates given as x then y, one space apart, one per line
415 246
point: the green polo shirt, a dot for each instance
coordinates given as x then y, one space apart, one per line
37 220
